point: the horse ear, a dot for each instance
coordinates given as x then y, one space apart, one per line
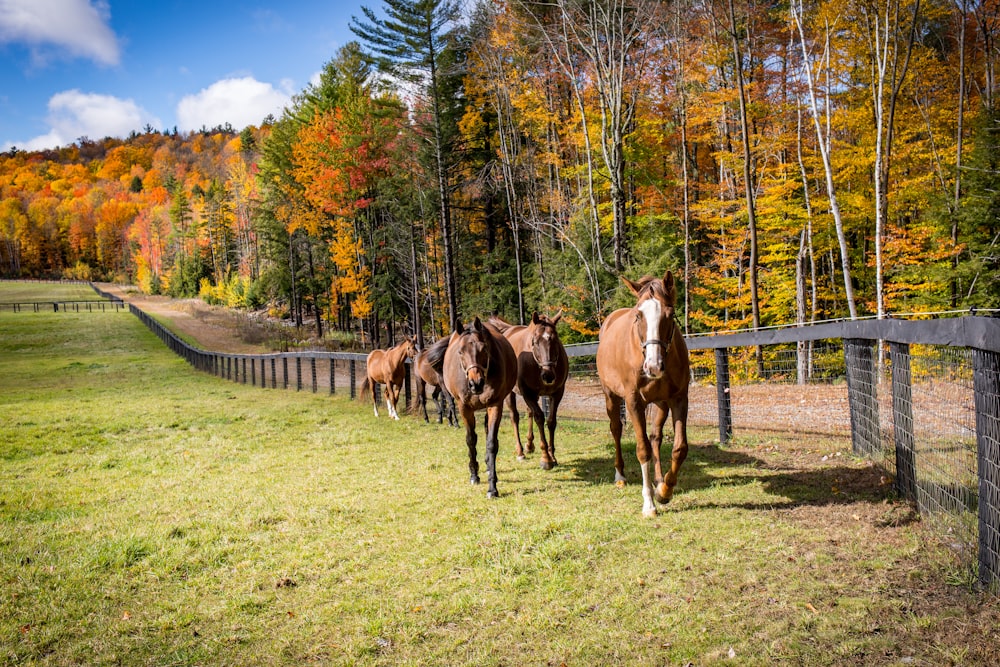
668 280
555 320
535 319
477 324
634 287
457 326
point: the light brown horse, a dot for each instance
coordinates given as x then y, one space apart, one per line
427 365
479 371
387 367
542 369
642 360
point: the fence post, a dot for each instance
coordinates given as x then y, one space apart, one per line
986 384
860 362
723 395
274 373
902 419
298 373
284 365
312 365
333 367
353 374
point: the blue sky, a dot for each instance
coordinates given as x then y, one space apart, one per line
96 68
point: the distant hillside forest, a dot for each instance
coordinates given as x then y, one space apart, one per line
788 162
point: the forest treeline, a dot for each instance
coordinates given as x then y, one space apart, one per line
790 162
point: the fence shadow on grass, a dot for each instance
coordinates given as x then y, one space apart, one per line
787 485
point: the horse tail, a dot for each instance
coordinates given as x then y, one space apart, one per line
366 387
414 407
435 354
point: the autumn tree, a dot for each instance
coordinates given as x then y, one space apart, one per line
418 43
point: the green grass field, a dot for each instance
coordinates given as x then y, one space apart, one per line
153 515
21 292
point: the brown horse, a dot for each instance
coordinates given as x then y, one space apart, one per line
542 368
387 367
642 360
427 365
479 371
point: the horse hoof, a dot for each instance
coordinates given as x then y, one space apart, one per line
521 457
547 465
473 480
664 498
531 448
492 494
649 513
620 483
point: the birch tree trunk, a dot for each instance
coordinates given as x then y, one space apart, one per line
824 143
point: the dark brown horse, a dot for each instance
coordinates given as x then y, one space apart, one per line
642 360
387 367
479 371
427 365
542 368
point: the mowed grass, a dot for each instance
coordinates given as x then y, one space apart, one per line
29 291
154 515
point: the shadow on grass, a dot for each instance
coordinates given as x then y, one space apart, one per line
711 467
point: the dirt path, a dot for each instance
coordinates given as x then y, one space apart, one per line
214 328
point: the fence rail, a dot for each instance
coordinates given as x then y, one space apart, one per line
922 399
80 306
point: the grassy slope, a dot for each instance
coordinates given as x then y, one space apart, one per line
153 515
18 291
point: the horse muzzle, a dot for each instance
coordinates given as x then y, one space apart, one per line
476 380
548 376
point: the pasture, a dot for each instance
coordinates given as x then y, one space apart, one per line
150 514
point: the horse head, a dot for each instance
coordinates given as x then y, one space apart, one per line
545 345
474 355
654 320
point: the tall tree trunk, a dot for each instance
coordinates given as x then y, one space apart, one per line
418 325
748 184
824 142
963 10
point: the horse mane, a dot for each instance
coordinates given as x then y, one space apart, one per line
435 354
657 287
500 325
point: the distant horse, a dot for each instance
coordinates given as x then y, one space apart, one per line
542 368
427 365
387 367
642 360
479 371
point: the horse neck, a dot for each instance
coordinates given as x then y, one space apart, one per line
397 353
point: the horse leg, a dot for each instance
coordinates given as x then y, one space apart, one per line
538 417
394 391
438 401
452 410
614 407
493 417
659 416
556 398
422 397
374 386
469 417
643 452
678 414
515 419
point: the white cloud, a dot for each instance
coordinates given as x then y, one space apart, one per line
239 102
75 26
73 114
